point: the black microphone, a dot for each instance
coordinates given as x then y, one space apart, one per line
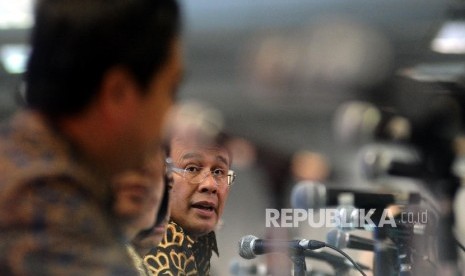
335 261
341 239
314 195
251 246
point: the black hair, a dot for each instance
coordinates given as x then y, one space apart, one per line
74 42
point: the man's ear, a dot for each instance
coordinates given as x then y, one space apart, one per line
119 95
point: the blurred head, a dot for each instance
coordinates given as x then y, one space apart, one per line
138 196
106 73
200 183
307 165
76 42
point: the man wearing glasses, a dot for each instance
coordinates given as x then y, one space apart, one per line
201 179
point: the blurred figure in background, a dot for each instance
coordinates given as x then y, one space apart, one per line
141 200
100 79
311 166
150 237
201 175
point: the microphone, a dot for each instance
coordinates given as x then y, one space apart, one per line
341 239
314 195
251 246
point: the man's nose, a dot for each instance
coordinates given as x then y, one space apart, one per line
209 184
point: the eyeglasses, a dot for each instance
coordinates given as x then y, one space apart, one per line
194 174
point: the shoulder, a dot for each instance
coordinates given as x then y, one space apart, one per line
38 171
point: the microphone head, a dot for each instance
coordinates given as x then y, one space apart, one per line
337 238
308 195
246 245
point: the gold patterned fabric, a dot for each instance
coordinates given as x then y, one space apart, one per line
179 255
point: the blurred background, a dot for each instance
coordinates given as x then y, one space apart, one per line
304 86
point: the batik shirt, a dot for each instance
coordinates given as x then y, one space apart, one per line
55 212
178 254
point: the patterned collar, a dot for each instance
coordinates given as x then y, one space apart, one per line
180 254
206 242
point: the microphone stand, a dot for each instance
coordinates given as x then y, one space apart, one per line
404 251
385 263
298 258
341 271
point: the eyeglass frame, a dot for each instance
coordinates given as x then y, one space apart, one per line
170 167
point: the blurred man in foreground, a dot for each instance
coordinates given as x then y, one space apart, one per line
100 79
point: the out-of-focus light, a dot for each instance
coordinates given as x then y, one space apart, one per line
16 14
452 72
450 39
14 57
